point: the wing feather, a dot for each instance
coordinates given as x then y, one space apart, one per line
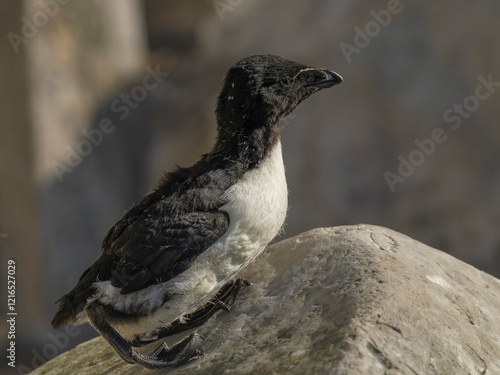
150 246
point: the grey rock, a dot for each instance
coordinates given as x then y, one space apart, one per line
345 300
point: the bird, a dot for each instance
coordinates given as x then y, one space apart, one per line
170 262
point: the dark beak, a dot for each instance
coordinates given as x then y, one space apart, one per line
330 80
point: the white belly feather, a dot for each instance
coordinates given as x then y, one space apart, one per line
257 207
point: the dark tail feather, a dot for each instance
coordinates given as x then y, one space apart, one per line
65 314
71 304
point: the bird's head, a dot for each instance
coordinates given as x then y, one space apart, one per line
269 87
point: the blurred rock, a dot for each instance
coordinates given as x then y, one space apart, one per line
20 229
80 54
345 300
396 90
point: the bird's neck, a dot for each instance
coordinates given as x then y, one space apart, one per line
246 139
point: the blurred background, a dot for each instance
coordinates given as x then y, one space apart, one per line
99 97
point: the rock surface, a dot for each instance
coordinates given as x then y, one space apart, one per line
344 300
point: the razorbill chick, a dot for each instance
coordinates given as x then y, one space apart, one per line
168 265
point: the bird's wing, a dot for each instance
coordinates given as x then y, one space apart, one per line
149 246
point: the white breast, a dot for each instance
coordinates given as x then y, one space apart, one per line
258 203
257 207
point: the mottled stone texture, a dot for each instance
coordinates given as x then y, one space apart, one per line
344 300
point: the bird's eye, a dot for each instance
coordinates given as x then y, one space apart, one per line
286 81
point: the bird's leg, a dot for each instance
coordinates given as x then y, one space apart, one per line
224 298
179 354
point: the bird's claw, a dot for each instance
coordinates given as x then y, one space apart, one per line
182 352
